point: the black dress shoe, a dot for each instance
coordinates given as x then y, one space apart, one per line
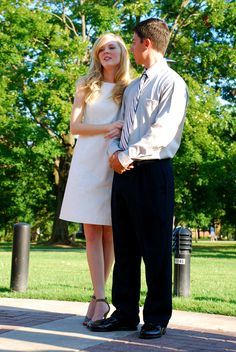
152 331
112 324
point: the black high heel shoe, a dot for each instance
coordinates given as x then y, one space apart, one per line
94 323
87 319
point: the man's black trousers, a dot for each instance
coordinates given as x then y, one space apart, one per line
142 219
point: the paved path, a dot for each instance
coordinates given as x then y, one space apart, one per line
50 326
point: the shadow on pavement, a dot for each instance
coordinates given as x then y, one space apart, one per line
66 332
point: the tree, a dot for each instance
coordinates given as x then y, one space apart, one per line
38 64
45 48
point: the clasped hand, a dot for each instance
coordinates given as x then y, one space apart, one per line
117 166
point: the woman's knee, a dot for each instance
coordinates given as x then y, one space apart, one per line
93 233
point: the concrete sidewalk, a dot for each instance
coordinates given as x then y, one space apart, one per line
50 326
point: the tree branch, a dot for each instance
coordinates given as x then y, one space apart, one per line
182 7
38 120
64 19
185 21
83 23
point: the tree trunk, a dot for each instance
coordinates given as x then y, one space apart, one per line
217 224
198 233
83 24
60 233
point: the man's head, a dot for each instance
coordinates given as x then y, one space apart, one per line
152 30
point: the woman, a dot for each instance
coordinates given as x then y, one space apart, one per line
88 190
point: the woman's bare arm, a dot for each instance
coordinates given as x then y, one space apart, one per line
78 127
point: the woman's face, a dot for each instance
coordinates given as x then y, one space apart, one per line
109 53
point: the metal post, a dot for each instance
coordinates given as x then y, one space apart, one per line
182 246
182 275
20 257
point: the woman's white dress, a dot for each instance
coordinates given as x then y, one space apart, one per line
88 191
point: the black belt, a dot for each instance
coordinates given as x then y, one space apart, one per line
149 161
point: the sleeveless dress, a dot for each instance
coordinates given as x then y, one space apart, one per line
87 195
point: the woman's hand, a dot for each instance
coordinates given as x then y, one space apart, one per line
114 130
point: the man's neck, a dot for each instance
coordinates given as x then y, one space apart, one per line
153 58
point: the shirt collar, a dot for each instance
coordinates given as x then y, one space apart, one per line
156 68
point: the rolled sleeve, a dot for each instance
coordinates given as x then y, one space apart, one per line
166 130
124 158
113 146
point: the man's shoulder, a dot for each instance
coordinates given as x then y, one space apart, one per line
133 82
169 76
173 75
131 85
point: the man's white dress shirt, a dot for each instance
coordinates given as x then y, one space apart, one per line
158 123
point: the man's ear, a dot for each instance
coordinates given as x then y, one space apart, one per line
147 43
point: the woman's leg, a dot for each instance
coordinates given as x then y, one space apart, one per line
108 250
93 235
99 248
108 256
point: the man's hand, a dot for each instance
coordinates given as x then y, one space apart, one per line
116 165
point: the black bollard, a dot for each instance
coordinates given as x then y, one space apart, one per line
182 247
20 257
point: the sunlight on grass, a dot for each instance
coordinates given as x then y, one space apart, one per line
62 274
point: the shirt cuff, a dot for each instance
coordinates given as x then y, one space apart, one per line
124 158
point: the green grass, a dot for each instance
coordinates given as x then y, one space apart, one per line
213 279
62 274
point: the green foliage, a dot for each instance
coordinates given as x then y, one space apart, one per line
43 51
38 69
205 162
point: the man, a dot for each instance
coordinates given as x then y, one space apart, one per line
153 110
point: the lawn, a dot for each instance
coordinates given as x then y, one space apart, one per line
62 274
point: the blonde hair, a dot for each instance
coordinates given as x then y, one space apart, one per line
91 83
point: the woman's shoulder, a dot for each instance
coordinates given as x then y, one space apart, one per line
81 82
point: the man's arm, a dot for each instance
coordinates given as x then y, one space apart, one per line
170 117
